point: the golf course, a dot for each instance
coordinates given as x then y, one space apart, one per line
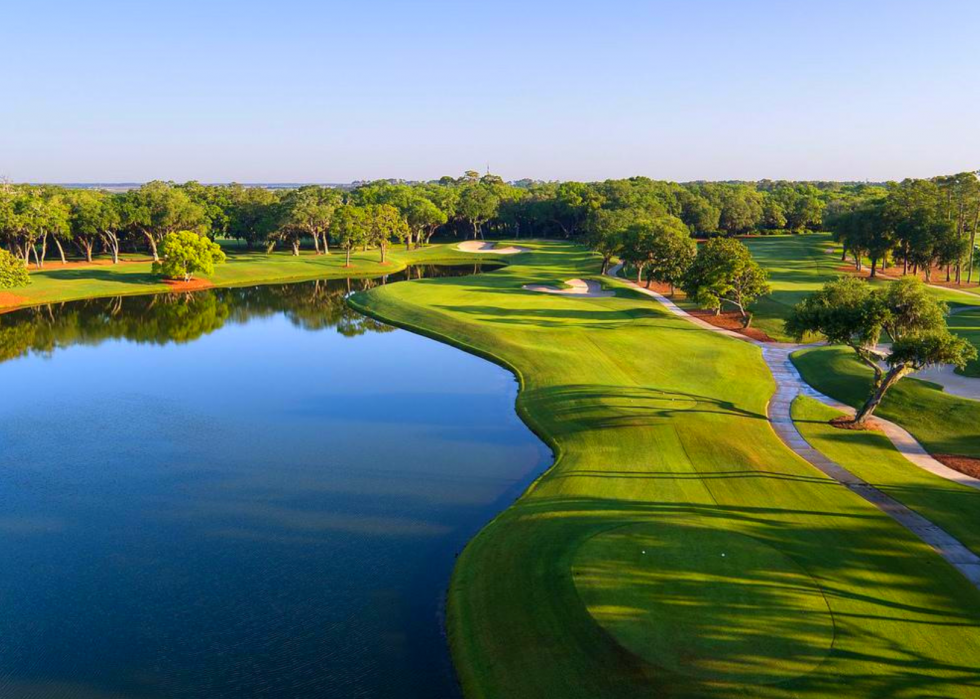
740 464
676 547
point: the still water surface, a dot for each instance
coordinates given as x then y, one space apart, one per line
248 492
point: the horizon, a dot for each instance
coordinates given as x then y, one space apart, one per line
318 92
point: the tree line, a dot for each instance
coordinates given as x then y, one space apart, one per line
925 225
37 221
922 223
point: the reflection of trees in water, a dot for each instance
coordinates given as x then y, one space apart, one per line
183 317
159 319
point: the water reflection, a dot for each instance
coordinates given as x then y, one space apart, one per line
161 319
269 511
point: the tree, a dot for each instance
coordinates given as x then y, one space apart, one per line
186 252
850 312
700 215
741 209
251 213
605 231
637 247
350 228
724 272
159 208
92 217
309 210
424 218
672 252
477 204
384 224
866 231
13 273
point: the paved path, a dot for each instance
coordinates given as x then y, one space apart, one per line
789 385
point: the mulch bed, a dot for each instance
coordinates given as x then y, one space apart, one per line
895 272
731 320
192 285
963 464
9 299
846 422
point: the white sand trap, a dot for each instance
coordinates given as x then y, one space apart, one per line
579 288
483 246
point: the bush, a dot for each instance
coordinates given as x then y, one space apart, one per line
184 253
12 271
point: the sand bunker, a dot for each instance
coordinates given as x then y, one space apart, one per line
576 287
483 246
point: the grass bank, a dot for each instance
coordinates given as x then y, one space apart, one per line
942 423
676 548
56 283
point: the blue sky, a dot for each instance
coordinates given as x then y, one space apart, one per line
330 91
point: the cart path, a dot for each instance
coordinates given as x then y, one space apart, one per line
789 385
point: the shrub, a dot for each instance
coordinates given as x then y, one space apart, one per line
12 271
184 253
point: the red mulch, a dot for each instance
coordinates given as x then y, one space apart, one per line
845 422
731 320
192 285
8 299
895 272
656 286
963 464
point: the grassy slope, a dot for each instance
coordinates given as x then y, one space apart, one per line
798 265
664 448
67 284
871 456
943 423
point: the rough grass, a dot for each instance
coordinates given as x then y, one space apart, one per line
54 283
660 435
943 423
871 456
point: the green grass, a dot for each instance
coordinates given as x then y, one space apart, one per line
943 423
54 283
663 446
871 456
798 265
966 324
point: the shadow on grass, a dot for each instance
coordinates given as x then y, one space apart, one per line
705 618
102 275
601 406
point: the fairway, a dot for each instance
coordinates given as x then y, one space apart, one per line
797 265
662 443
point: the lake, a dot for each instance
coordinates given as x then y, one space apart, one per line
250 492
